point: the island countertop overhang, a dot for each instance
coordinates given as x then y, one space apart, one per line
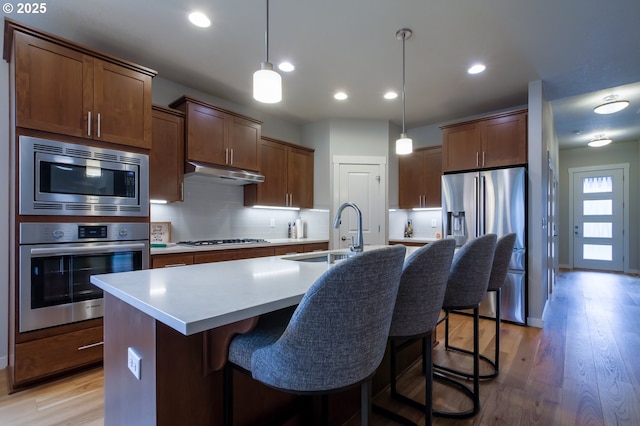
194 298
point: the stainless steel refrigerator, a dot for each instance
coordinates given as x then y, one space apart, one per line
491 202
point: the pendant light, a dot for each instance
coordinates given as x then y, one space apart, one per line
267 84
404 145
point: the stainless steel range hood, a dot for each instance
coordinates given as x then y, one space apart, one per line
221 175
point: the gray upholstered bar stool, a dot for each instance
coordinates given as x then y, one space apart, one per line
420 296
499 269
336 337
466 286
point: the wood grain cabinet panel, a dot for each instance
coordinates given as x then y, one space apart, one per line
62 88
166 158
316 247
420 178
53 86
170 260
232 254
122 105
494 141
288 176
288 249
56 354
219 137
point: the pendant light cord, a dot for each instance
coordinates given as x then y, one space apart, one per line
266 35
404 37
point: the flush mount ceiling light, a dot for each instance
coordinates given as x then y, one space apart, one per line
267 84
199 19
390 95
599 140
611 105
404 145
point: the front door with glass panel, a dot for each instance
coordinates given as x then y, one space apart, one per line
598 219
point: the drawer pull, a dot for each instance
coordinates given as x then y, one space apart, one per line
92 345
174 265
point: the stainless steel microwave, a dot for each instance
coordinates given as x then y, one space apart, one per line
60 178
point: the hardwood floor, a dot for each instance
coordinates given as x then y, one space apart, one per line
582 368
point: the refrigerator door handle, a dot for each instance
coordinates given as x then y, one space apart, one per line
476 202
481 206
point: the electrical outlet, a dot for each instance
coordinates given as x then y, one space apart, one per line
434 223
272 223
133 362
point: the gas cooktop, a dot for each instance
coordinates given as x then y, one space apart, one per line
225 241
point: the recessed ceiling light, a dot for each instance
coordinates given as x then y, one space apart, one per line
286 67
390 95
611 105
341 96
476 69
199 19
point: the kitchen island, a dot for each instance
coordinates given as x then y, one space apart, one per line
179 321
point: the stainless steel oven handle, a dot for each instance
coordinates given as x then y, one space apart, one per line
92 249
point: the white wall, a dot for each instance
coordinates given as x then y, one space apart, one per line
540 138
5 141
317 136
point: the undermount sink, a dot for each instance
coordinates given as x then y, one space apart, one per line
321 258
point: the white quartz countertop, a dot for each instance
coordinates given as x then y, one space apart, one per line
194 298
172 248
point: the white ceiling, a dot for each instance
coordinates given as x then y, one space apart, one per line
581 50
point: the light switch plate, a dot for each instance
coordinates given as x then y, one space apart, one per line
133 362
434 223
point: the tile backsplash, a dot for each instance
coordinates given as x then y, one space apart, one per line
213 210
422 222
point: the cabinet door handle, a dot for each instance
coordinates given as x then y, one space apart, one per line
483 158
291 200
92 345
477 159
99 125
286 200
173 265
232 156
89 123
226 156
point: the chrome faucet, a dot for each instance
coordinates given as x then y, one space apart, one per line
359 246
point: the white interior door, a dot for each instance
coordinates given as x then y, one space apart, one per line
598 219
361 184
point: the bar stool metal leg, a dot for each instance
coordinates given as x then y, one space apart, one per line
472 394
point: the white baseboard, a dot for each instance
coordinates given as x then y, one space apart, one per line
4 362
535 322
564 266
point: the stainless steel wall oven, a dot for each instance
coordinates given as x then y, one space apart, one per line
57 261
59 178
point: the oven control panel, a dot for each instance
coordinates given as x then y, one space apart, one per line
92 231
46 233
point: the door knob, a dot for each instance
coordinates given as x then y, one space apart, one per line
343 238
